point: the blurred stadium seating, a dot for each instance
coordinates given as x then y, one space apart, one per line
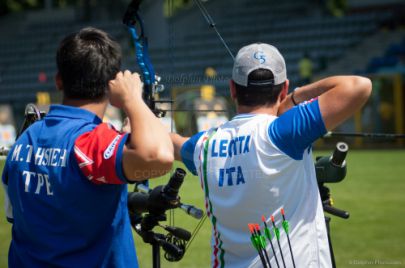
31 51
295 27
392 60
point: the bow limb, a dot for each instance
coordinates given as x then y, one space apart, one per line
135 24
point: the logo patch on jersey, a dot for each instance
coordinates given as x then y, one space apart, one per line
110 149
308 101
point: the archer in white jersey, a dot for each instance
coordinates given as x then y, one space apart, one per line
261 160
254 165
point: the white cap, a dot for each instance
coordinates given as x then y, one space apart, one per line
259 56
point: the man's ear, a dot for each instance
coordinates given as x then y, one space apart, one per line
232 89
58 82
284 91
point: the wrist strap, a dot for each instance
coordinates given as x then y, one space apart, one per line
292 98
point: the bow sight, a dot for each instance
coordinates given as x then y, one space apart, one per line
147 208
331 169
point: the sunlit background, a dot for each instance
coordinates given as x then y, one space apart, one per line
317 38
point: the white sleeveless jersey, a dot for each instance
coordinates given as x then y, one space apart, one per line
244 176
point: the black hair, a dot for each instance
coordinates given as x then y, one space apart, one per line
256 93
86 61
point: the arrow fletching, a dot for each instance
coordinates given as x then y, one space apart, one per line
263 242
286 226
261 238
276 230
258 242
277 233
267 233
254 243
253 238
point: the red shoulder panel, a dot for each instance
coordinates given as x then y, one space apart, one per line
97 153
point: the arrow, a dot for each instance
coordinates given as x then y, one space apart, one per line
256 243
267 233
277 233
286 227
262 243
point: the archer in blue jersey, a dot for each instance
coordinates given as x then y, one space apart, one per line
65 177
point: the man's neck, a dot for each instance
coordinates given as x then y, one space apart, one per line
97 108
271 110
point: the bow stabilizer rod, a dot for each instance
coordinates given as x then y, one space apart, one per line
364 135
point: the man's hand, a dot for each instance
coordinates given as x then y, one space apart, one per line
149 150
124 89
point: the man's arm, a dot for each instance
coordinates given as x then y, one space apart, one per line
339 97
178 142
344 99
184 149
149 152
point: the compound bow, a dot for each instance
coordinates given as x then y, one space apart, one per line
151 87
